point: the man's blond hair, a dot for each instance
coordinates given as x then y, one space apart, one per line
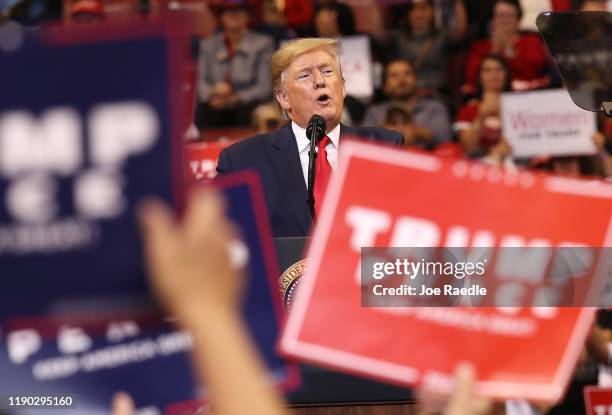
283 57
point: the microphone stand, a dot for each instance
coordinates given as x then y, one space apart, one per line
314 132
312 167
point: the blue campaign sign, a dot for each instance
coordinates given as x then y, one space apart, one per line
262 304
90 359
85 133
262 309
87 130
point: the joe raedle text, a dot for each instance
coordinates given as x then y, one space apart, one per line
425 291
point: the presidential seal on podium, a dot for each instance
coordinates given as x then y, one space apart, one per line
289 281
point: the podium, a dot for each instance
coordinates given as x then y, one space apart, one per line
326 392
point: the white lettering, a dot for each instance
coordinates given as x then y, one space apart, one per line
51 144
119 130
31 199
366 224
120 330
98 194
73 340
413 232
21 344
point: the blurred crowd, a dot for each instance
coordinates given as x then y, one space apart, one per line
438 66
439 69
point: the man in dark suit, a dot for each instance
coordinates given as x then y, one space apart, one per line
307 80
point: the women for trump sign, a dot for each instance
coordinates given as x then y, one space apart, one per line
546 123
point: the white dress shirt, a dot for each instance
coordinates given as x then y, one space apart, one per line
303 144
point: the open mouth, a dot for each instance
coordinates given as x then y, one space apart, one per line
323 99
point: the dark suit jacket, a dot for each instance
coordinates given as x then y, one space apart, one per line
276 158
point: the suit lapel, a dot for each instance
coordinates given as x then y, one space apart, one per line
346 130
285 158
343 129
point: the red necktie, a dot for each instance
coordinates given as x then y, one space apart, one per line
323 173
561 5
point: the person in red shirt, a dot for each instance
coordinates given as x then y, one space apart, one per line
478 123
526 56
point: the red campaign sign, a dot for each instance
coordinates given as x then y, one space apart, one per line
201 160
598 401
383 197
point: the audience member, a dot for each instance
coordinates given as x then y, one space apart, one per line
86 11
233 68
579 165
607 165
345 12
398 118
525 53
284 20
478 124
266 118
598 345
369 18
574 166
595 351
334 21
430 117
463 400
273 22
197 16
605 153
426 45
298 13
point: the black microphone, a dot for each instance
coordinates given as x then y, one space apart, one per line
316 128
314 132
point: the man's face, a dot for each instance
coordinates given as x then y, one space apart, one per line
235 19
505 18
326 23
312 84
400 80
421 16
